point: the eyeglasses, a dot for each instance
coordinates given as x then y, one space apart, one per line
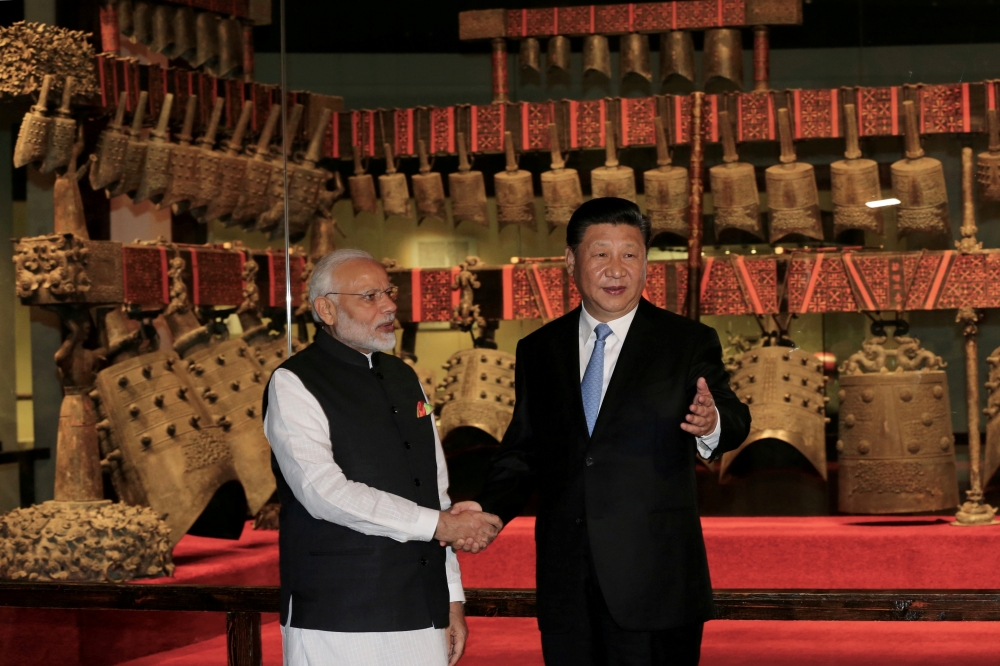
372 296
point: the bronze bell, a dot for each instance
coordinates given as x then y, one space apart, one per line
612 179
156 167
853 183
597 55
163 30
530 55
135 154
723 60
514 192
988 163
271 210
918 183
395 191
108 160
467 188
142 22
428 188
792 197
230 47
62 136
677 71
185 34
666 191
634 56
734 188
305 181
206 32
558 57
126 23
362 186
257 175
184 181
560 186
208 172
33 137
232 171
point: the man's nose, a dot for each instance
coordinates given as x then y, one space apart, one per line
388 306
616 268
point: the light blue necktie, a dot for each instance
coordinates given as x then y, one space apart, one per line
593 378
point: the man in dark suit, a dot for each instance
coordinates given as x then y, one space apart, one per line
614 400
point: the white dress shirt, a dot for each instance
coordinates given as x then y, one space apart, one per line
612 348
299 434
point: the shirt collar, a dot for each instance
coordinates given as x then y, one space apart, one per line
618 326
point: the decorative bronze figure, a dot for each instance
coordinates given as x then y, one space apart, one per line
560 186
612 179
395 190
514 191
918 182
156 167
33 137
792 197
854 182
677 61
428 188
666 191
734 189
468 190
723 60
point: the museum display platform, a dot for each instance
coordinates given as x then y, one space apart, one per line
840 552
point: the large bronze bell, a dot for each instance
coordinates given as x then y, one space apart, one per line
156 166
468 189
232 170
185 34
918 183
163 29
723 60
734 189
560 186
666 187
306 180
362 186
634 56
677 72
271 209
108 160
988 163
209 168
786 392
558 54
514 191
33 137
62 136
792 197
597 55
183 184
257 175
530 55
428 188
896 449
142 22
394 188
612 179
478 392
854 182
206 31
230 47
135 154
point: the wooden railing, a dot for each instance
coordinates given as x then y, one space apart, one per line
243 605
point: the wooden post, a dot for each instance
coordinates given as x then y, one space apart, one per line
501 83
695 201
761 58
243 639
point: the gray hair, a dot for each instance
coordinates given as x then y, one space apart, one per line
321 281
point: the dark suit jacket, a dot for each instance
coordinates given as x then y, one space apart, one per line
629 488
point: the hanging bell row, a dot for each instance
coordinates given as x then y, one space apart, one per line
222 45
722 60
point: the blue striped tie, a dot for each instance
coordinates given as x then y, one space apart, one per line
593 378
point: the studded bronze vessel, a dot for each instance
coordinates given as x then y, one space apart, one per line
918 183
792 197
666 189
612 179
734 189
854 182
560 186
477 392
514 191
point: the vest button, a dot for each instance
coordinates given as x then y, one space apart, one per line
579 521
406 444
423 561
416 482
590 461
394 410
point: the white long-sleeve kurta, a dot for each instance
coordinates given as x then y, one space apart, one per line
299 434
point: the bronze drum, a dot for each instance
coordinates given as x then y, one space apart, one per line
478 392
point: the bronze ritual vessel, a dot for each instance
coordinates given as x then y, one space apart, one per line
677 70
612 179
362 186
468 189
514 191
183 184
232 170
477 392
135 154
734 189
256 176
786 392
428 188
33 137
988 163
634 56
918 183
560 187
792 197
156 166
854 182
209 166
108 160
666 187
273 211
530 55
206 31
394 188
557 56
63 133
896 449
597 55
723 60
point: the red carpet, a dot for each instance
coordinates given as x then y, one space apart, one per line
814 552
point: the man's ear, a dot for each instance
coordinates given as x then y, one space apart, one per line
570 260
326 309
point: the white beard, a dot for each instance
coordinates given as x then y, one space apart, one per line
355 334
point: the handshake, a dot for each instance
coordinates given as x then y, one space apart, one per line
466 527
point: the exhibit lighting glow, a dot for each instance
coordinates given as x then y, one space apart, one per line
883 202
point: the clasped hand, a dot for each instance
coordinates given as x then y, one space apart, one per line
467 527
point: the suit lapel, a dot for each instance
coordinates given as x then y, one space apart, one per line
566 354
628 368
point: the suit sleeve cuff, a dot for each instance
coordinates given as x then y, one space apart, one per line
427 523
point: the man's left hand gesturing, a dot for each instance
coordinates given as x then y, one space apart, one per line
703 417
458 632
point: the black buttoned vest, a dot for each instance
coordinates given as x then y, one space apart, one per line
340 579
